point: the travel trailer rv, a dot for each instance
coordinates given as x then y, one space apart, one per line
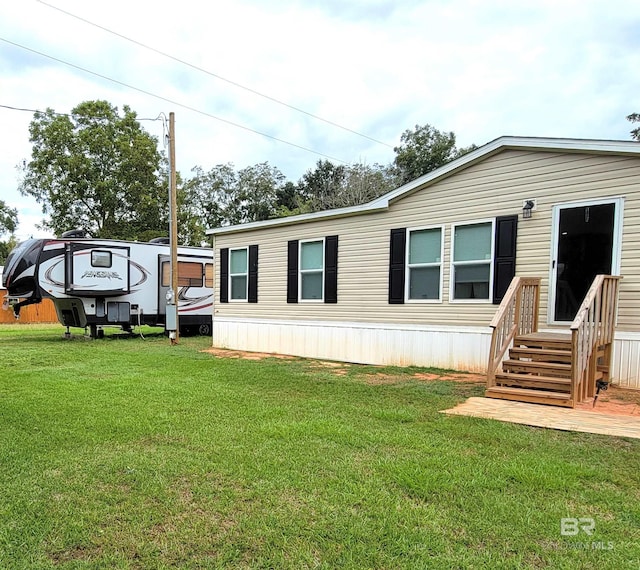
98 282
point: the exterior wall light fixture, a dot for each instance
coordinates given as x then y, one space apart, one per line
527 208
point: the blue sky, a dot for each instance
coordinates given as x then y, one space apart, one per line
562 68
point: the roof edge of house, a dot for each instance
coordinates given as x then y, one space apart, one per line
301 218
595 146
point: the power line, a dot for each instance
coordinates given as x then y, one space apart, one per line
171 101
158 118
212 74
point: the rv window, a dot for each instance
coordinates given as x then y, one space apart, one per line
189 274
208 275
100 258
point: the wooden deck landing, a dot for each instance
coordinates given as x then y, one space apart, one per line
547 335
549 417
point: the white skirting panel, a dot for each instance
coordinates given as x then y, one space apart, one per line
457 348
626 360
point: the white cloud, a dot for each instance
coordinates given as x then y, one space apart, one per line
479 68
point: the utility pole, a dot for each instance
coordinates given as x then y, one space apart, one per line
173 230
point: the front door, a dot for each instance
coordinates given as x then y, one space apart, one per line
586 243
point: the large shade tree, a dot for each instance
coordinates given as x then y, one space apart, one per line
8 218
223 196
337 186
424 149
98 170
8 225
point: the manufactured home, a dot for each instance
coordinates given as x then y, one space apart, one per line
95 283
417 276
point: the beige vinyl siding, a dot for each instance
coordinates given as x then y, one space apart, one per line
493 187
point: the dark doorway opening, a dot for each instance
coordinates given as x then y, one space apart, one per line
585 249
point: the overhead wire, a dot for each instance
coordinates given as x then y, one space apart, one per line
171 101
212 74
12 108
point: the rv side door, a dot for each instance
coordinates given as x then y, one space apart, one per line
92 269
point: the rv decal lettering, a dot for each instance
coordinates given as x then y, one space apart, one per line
101 275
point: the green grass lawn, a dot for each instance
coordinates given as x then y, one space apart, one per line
130 453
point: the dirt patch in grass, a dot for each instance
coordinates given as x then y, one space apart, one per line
227 353
75 554
466 377
615 401
337 368
380 378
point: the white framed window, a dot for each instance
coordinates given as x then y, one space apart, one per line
311 272
472 261
238 274
424 254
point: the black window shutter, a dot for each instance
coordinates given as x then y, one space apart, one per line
292 271
331 269
396 265
504 261
253 274
224 275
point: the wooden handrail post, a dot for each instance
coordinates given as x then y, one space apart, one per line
517 316
519 306
592 332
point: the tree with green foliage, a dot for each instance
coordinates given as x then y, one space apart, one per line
8 218
289 202
258 188
223 197
98 170
319 185
330 186
8 225
635 118
424 149
6 247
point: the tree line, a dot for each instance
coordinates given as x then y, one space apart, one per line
97 169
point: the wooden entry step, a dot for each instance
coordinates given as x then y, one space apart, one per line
542 354
543 340
516 380
532 396
538 367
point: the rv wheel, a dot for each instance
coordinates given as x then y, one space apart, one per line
204 329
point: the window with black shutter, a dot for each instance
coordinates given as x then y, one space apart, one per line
331 269
224 275
505 255
312 270
397 265
292 271
253 274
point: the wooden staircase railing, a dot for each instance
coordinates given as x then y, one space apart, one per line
592 336
517 314
551 367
